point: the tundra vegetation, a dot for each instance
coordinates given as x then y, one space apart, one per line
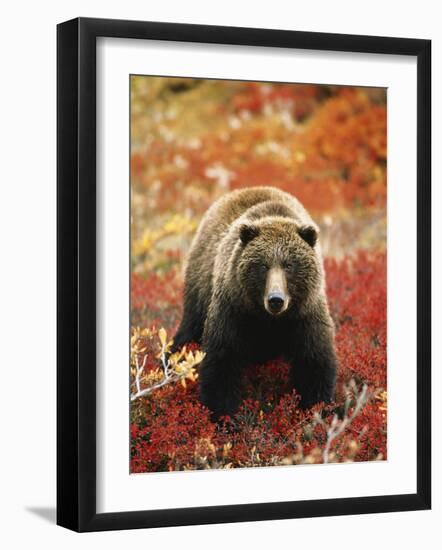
194 140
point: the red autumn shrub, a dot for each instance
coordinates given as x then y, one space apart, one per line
156 300
167 434
170 430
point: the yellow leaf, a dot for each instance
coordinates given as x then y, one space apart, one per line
162 335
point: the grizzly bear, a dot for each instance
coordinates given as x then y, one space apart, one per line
255 290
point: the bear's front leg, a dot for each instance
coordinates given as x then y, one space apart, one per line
220 379
226 349
313 360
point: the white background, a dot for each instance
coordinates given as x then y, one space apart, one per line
27 217
116 489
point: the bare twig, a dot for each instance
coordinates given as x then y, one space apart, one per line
172 368
337 427
139 372
169 375
154 387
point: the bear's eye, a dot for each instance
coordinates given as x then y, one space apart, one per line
288 265
263 268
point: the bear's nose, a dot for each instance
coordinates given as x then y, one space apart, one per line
276 301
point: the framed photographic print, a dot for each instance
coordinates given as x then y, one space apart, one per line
243 274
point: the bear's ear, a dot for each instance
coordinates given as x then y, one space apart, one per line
309 234
248 232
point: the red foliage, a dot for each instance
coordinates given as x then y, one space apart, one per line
166 436
360 315
300 100
171 430
156 300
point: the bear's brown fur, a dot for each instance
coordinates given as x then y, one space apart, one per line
255 290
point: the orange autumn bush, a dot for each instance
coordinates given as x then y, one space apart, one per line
335 158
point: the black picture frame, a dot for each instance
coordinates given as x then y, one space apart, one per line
76 273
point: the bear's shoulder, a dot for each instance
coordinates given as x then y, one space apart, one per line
254 203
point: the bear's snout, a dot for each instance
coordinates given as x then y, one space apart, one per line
276 301
276 297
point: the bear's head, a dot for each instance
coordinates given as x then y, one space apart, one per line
278 266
